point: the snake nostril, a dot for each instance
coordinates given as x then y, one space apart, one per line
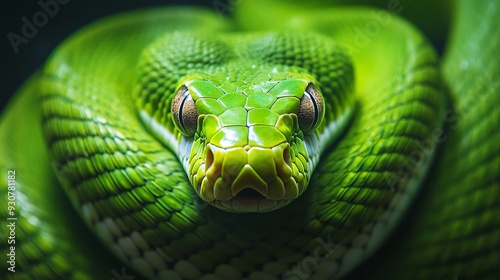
209 159
249 194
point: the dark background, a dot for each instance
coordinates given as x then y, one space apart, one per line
17 67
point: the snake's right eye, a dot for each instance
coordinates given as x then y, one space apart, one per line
184 112
311 111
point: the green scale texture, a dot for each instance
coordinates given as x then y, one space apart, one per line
133 191
247 89
453 232
137 198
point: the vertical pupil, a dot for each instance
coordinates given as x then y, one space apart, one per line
316 110
181 108
311 109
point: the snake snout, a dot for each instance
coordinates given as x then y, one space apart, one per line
249 178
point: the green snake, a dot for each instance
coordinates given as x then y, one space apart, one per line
276 145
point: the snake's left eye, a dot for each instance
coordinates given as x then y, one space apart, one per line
184 112
311 110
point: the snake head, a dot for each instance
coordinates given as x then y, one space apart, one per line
247 147
246 115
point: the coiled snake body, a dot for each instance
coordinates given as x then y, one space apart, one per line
195 150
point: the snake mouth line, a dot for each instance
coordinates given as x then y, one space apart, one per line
248 204
250 195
